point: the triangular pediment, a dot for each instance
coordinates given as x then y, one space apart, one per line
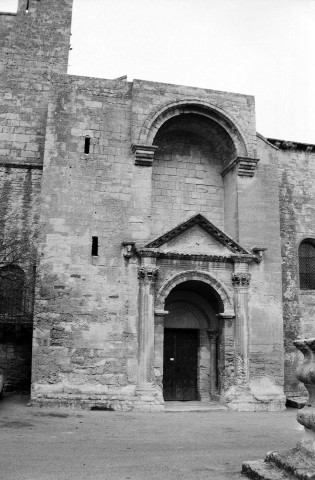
197 236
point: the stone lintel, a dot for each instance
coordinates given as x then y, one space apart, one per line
246 166
144 154
27 166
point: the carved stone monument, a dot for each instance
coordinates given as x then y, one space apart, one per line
297 462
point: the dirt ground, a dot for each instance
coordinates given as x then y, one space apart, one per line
67 444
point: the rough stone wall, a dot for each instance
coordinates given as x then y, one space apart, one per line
33 45
296 170
259 225
86 329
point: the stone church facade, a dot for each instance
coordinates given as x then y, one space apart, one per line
167 247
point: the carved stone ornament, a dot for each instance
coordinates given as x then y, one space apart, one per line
246 166
241 279
297 462
306 374
128 249
148 274
258 251
144 154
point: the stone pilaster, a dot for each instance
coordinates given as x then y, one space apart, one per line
240 281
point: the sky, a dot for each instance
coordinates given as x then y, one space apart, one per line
263 48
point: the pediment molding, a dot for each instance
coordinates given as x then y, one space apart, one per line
207 226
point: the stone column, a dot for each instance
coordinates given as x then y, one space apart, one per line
159 346
213 341
147 276
240 282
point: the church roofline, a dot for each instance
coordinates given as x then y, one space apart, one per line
290 145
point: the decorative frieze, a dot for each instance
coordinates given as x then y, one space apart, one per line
241 279
144 154
147 274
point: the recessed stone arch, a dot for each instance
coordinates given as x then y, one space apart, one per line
209 279
164 113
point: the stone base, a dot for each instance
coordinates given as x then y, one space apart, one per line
144 399
149 399
244 399
297 462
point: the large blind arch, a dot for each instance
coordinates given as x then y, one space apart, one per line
307 264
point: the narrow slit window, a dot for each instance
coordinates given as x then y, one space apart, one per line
87 145
94 246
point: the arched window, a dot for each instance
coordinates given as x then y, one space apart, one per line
307 265
11 290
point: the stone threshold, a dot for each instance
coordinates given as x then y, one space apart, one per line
193 406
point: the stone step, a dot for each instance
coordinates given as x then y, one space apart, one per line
296 402
261 470
295 461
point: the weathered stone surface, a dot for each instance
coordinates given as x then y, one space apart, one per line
158 156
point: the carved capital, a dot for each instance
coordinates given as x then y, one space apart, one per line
212 334
144 154
241 279
147 274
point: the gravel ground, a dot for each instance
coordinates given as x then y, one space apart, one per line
67 444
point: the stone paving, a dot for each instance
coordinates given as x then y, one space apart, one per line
68 444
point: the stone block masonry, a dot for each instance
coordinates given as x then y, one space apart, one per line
92 171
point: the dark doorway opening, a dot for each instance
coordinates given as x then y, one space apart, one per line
180 364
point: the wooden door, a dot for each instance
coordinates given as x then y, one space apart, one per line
180 364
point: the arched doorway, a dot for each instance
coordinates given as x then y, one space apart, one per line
191 360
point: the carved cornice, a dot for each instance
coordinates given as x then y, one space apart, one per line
147 274
195 257
246 166
144 154
241 279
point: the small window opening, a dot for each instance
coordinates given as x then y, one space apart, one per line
95 246
87 145
27 6
307 265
